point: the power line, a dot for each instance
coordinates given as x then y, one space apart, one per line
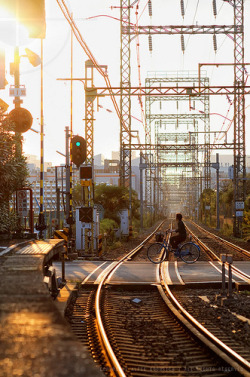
86 49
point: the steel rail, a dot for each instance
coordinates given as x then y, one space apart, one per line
236 270
215 344
235 247
205 247
110 355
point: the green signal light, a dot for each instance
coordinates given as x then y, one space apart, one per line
78 143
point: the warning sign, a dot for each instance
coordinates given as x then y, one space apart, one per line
22 207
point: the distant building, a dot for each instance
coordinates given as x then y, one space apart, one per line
110 174
34 162
105 171
116 155
226 162
99 160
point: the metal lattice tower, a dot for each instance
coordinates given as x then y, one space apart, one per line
237 31
89 137
176 119
239 112
125 102
89 112
181 179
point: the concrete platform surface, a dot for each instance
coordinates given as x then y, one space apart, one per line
35 340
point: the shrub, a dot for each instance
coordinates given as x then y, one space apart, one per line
8 219
107 226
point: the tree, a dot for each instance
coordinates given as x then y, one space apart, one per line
226 198
207 199
77 195
13 173
115 198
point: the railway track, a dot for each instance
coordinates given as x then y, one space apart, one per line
132 332
214 245
204 307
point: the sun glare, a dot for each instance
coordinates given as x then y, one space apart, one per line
12 33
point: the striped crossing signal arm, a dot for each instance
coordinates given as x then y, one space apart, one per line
62 234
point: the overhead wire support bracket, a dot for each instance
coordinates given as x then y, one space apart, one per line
173 90
217 65
182 29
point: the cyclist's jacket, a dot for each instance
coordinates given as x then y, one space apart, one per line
181 230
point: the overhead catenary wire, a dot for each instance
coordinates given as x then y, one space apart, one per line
232 120
88 52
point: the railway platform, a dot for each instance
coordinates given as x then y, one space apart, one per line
35 340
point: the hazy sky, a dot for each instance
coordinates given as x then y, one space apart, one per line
97 22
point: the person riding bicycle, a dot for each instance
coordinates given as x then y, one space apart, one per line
181 232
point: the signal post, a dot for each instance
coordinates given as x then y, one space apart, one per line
87 212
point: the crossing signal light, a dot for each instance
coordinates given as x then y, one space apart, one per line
21 119
78 150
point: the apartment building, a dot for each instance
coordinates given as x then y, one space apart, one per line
105 171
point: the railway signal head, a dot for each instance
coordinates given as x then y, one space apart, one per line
78 150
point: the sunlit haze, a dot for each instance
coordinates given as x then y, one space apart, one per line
98 22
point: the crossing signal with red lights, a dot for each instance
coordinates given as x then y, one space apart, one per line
78 150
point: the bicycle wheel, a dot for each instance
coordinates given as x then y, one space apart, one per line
156 252
189 252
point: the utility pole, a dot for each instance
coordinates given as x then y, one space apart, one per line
69 214
141 167
218 192
41 220
67 138
17 100
217 167
57 199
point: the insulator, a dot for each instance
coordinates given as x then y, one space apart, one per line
150 8
150 43
182 43
182 8
214 8
215 42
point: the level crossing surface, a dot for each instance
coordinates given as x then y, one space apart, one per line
174 273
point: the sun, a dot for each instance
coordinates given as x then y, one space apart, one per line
12 33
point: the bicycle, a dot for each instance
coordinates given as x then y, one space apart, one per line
189 252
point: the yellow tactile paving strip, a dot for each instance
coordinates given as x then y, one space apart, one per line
39 247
